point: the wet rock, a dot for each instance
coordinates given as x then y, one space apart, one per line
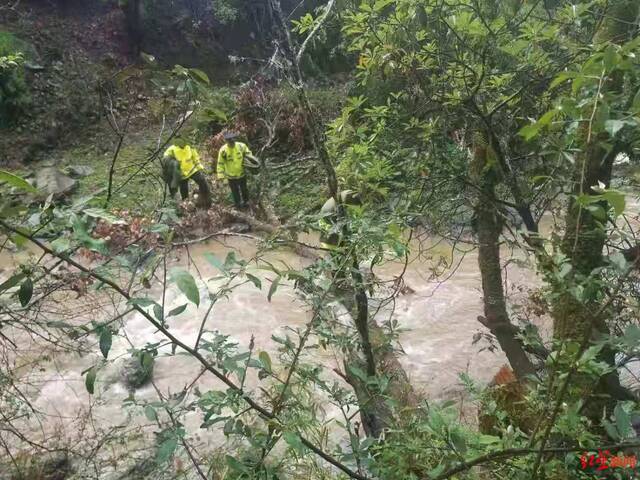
56 467
141 469
47 466
77 171
137 371
51 181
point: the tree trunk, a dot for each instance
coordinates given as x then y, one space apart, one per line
380 359
489 228
133 16
584 237
376 411
310 118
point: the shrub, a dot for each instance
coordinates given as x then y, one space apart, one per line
13 89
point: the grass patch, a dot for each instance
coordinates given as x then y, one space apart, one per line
296 192
10 44
135 190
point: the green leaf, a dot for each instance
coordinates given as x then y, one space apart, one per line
623 421
177 310
631 336
159 228
613 126
213 260
610 58
200 75
293 439
186 284
611 430
488 439
459 442
380 4
547 118
12 282
81 233
265 359
597 211
563 77
142 302
106 339
235 465
540 179
616 200
636 102
60 245
273 288
230 260
158 312
529 131
146 360
150 413
25 292
19 240
208 421
618 260
90 379
16 181
166 449
229 426
255 280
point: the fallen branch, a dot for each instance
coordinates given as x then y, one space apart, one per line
221 233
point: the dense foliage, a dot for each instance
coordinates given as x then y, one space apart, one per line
13 89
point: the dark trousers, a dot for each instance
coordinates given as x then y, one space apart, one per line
239 191
204 192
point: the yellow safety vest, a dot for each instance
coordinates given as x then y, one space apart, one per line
231 160
187 157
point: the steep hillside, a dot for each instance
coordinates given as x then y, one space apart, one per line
71 46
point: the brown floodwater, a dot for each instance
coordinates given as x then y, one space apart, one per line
437 314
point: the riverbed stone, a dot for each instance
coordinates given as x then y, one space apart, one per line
144 468
135 372
51 181
57 466
45 466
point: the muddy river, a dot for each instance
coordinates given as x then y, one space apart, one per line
437 314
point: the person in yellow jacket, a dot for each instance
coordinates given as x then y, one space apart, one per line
230 167
180 164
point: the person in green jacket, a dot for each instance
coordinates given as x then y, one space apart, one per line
230 167
181 163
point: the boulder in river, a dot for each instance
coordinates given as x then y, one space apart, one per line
51 181
137 370
55 465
